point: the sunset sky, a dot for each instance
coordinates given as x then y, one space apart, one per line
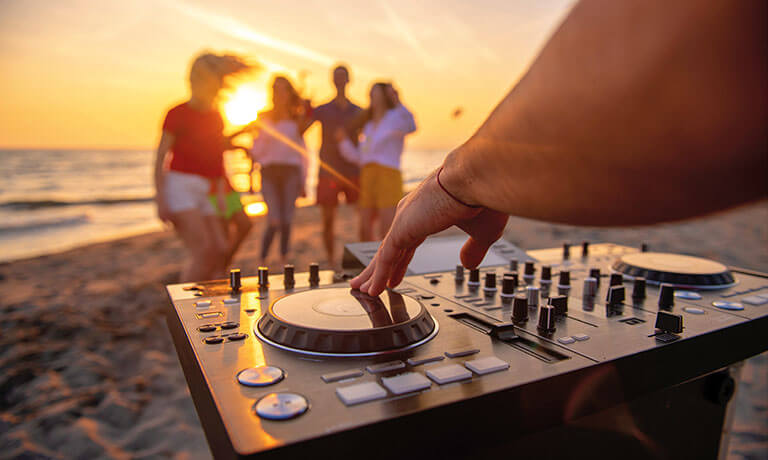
96 73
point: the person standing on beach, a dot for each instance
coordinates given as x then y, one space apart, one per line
635 112
386 122
280 151
193 133
336 175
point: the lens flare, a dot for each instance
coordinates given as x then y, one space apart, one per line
243 104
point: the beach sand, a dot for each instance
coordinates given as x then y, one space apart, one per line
88 368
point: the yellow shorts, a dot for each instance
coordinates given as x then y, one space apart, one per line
380 186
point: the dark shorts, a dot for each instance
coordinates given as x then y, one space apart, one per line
329 188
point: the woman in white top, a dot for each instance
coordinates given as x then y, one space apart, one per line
385 124
283 166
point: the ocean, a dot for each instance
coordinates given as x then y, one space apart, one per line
54 200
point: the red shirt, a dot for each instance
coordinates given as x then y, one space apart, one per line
198 147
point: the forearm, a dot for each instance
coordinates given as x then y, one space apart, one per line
635 112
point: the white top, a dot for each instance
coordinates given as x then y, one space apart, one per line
382 142
277 144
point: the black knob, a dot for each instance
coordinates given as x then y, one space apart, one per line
288 280
533 296
514 276
234 280
263 277
566 251
617 279
644 247
520 308
547 318
590 287
565 278
513 265
459 273
529 269
638 290
668 322
584 248
490 281
666 296
560 302
595 273
616 295
314 274
508 285
474 276
546 273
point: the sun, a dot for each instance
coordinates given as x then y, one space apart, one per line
242 105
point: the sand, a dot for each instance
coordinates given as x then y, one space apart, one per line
88 369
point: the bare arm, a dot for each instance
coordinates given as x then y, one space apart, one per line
635 112
163 147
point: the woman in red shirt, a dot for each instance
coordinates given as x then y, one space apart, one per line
193 133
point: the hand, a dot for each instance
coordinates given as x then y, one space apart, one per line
423 212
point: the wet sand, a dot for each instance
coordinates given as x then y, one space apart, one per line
88 369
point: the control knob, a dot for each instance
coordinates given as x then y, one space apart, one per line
234 280
566 251
262 276
520 309
590 287
459 277
314 274
666 296
508 285
513 265
288 279
532 296
616 295
547 319
474 277
584 249
528 272
490 282
617 279
564 283
560 303
638 290
595 273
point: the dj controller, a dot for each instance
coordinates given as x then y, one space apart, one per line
594 350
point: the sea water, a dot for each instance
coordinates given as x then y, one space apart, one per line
53 200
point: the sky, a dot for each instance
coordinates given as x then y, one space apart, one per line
102 73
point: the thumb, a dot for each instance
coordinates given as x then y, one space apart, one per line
473 252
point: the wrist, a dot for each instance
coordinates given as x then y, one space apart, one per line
456 180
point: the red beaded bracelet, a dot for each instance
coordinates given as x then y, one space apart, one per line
475 206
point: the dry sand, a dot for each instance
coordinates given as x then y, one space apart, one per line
88 369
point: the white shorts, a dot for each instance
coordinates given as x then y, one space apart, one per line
185 192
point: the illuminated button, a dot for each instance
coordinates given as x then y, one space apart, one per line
360 393
688 295
693 310
260 376
755 300
281 406
447 374
203 303
580 337
341 375
406 383
420 361
460 353
213 340
384 367
726 305
486 365
231 300
566 340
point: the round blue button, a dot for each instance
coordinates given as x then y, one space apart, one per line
694 310
260 376
281 406
689 295
725 305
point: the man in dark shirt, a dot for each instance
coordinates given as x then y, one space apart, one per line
335 175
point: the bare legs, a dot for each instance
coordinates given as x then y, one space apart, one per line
329 237
206 242
368 218
243 226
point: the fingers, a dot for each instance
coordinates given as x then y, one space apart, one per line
398 273
473 252
388 256
365 275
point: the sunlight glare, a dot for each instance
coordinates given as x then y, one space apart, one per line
243 104
259 208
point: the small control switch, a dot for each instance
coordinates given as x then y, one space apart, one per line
617 279
314 274
234 280
288 279
668 322
666 296
560 302
520 309
638 290
547 319
616 295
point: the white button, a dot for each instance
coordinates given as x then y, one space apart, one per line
460 353
281 406
755 300
689 295
341 375
448 374
360 393
580 337
486 365
203 303
566 340
406 383
231 300
420 361
725 305
693 310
